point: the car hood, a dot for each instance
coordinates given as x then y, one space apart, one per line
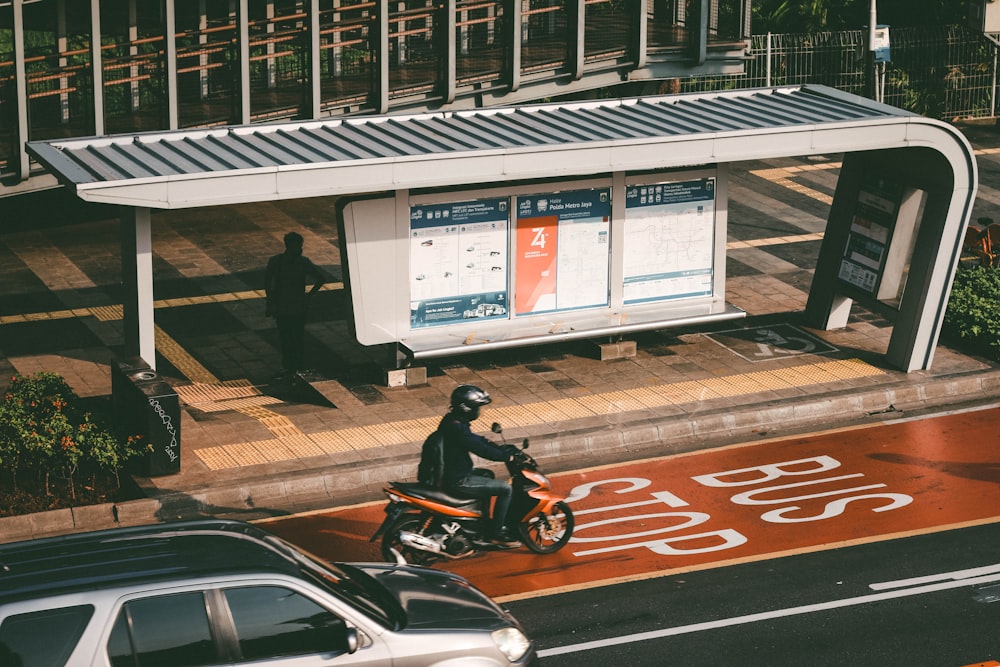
433 599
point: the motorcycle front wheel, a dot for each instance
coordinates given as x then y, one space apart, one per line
548 532
391 541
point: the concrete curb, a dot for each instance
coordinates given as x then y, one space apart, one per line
362 481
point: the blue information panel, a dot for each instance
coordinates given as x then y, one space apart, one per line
669 248
458 262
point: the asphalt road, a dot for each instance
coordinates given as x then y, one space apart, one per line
928 600
865 546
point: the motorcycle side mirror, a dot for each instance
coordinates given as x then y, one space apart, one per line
496 428
524 445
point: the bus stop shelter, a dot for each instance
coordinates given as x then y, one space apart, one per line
615 182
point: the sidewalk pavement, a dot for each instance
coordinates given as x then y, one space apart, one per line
255 445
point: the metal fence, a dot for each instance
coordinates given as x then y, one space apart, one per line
945 72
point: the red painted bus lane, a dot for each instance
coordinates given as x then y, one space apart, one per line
731 504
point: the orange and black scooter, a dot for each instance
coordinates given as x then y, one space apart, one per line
424 525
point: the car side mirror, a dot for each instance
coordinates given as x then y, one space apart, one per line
351 639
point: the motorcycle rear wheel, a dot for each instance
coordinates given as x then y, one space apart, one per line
546 533
390 541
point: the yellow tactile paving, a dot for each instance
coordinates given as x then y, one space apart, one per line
331 442
731 385
200 392
181 360
511 415
385 434
571 408
412 430
545 411
611 402
291 443
302 446
245 453
217 458
781 176
236 404
359 438
107 313
649 397
765 381
273 450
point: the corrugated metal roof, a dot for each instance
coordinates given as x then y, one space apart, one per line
129 168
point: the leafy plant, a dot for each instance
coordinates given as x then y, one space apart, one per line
43 430
973 313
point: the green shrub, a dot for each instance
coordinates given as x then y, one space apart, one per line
973 315
45 432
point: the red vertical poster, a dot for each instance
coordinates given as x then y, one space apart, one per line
537 246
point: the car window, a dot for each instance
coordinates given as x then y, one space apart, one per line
163 631
273 621
42 638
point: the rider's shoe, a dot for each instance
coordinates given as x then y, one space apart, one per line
505 538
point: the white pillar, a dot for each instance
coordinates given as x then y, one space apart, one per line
135 230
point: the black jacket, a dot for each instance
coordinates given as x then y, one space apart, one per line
459 443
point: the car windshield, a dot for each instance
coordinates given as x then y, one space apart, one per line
350 584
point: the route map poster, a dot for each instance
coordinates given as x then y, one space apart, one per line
868 240
458 261
669 248
562 256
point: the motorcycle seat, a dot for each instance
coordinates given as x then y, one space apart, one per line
424 491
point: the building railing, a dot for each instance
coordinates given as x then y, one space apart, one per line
943 72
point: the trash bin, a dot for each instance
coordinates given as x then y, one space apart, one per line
147 406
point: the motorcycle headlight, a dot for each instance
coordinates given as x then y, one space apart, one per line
511 642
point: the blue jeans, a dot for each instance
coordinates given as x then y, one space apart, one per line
478 486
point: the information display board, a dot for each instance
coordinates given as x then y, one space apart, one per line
869 236
458 261
669 240
562 251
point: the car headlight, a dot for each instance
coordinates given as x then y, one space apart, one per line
511 642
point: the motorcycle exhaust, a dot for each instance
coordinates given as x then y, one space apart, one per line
415 541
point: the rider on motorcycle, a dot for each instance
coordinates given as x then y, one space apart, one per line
459 476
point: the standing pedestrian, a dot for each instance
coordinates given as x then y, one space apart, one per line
288 300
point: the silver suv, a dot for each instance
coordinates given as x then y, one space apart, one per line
217 592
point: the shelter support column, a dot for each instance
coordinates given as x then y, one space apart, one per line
891 244
827 308
135 230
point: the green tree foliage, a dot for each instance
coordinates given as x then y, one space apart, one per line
798 16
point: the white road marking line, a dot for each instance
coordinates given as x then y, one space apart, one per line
931 578
765 616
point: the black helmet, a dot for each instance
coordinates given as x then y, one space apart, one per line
467 399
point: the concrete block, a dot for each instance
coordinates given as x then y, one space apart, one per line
140 512
710 424
53 522
227 498
639 434
15 528
676 430
94 517
405 377
302 489
625 349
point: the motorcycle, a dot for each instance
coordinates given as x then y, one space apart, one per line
424 525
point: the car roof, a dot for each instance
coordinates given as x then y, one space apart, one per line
139 554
